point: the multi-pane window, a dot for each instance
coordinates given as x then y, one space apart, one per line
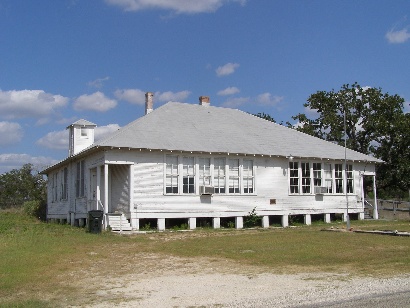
204 171
248 178
188 175
317 174
294 177
328 175
64 184
349 173
233 176
328 178
219 175
339 178
305 177
171 174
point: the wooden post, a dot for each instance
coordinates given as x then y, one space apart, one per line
375 209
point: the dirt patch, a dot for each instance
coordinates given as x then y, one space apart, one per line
153 280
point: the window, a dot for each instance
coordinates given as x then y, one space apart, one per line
84 132
219 175
204 171
64 187
328 178
171 174
339 178
233 176
349 172
80 183
294 177
317 174
305 178
188 174
248 176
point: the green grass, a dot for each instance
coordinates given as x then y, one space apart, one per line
38 259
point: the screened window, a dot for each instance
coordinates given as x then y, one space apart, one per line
219 175
233 176
54 187
294 177
317 174
204 171
80 183
171 174
339 178
349 171
188 175
305 178
328 178
248 178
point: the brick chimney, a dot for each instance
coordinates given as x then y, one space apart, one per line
204 101
149 102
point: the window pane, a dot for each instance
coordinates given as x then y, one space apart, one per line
294 177
171 185
204 171
219 175
305 178
317 174
328 178
233 176
339 178
248 176
350 179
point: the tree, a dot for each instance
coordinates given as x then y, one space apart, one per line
21 185
265 116
375 125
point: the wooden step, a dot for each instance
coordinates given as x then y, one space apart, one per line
118 223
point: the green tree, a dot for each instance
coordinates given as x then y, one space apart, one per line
265 116
21 185
375 124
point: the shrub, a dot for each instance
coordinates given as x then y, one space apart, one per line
252 220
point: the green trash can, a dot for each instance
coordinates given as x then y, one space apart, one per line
95 221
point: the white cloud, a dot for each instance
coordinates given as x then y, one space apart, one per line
16 161
171 96
398 36
228 91
58 140
236 102
133 96
98 83
29 103
227 69
55 140
177 6
10 133
103 131
268 99
96 102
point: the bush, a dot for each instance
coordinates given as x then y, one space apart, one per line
35 208
252 220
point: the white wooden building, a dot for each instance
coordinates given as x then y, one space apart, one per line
199 162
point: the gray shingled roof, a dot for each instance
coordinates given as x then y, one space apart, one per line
196 128
82 122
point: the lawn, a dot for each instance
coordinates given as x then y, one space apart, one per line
39 259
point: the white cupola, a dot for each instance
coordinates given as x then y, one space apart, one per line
81 136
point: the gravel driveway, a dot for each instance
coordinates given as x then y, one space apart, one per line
153 281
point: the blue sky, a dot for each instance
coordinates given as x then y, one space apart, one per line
65 60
